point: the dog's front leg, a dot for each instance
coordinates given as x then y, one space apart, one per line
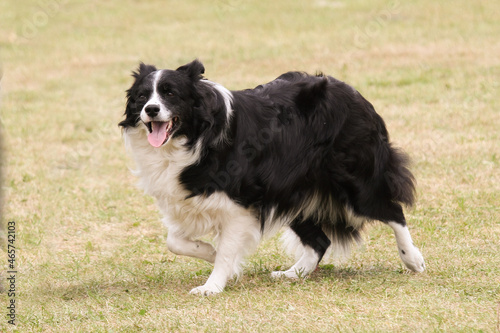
238 238
186 247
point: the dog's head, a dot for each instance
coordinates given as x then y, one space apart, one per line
164 101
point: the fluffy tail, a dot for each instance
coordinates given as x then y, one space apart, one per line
399 178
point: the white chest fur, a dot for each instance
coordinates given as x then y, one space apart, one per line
158 170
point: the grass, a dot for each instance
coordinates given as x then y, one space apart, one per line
91 254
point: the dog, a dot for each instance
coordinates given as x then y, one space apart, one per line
304 152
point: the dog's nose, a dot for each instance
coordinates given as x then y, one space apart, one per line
152 110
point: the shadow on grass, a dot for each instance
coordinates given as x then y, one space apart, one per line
96 288
325 275
178 284
159 283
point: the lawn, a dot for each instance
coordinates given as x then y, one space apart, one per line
90 247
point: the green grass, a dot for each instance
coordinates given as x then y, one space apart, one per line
91 249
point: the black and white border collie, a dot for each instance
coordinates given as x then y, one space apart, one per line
304 152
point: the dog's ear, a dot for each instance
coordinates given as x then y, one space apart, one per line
131 114
312 94
194 70
143 71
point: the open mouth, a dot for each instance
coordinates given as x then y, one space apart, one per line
160 131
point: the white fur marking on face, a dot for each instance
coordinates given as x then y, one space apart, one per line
409 254
164 114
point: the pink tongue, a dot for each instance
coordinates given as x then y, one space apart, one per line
158 134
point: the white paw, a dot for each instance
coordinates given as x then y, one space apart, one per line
413 259
290 274
205 290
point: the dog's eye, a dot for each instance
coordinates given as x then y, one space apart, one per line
167 91
141 98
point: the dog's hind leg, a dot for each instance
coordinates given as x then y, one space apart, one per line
315 243
237 238
408 252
